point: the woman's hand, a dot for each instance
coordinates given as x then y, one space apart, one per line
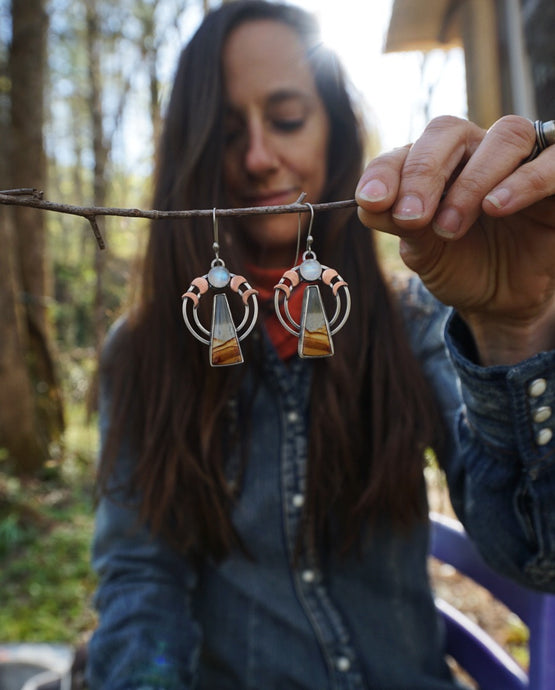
477 225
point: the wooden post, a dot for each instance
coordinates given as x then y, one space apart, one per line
483 75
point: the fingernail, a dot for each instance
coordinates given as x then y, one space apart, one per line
499 197
448 223
374 190
410 207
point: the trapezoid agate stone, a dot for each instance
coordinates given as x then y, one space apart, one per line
225 349
315 338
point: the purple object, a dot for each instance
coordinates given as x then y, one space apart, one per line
471 646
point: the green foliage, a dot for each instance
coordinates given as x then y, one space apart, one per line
12 533
47 586
74 257
17 526
45 533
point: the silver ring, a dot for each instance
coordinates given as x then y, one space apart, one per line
545 136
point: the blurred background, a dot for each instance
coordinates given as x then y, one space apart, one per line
83 84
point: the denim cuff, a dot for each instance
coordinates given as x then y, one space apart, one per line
509 407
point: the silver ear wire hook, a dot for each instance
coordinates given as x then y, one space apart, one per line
297 250
215 245
309 238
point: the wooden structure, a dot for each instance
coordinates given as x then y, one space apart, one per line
489 31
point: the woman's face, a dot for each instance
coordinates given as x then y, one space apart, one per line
276 132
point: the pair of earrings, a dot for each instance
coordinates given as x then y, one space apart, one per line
314 331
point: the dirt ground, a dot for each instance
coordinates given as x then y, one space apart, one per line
478 604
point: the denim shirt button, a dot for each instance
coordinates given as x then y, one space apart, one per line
292 417
542 414
343 663
308 576
544 436
537 388
298 500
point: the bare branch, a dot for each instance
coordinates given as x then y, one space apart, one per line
25 191
96 232
33 198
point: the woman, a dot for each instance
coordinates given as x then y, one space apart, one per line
265 525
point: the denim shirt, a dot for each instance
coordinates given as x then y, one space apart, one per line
342 623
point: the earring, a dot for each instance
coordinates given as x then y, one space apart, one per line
314 331
224 337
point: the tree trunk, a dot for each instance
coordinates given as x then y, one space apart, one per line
100 153
27 448
31 415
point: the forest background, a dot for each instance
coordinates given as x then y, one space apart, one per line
82 83
74 76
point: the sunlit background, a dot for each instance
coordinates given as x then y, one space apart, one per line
400 92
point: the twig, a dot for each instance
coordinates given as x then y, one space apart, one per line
96 232
33 199
25 191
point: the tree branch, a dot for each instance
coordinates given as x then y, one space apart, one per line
34 199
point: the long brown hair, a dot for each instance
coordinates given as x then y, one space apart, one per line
371 411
